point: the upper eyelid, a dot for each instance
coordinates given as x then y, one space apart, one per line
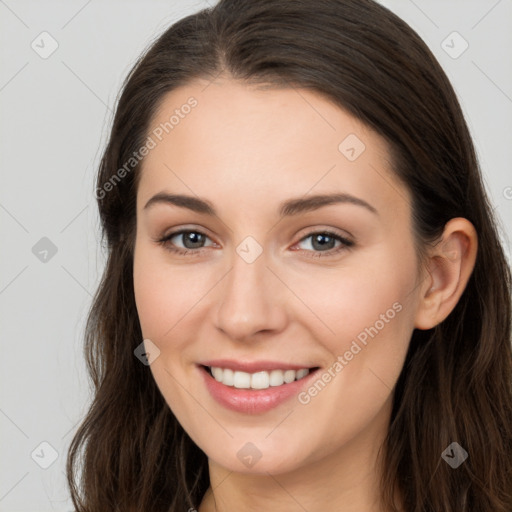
185 230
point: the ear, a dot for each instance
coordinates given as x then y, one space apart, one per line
450 264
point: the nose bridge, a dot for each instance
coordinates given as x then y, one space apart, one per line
248 301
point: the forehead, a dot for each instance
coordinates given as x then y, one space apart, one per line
233 140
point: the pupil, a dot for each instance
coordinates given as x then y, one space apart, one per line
194 238
321 240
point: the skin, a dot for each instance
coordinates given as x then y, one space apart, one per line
247 150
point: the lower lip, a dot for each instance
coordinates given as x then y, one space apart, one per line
253 401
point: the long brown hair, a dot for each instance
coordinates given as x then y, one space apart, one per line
456 383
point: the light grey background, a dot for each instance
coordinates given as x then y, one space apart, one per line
55 116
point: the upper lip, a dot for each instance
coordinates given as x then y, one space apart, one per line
254 366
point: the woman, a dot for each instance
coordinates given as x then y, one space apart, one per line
306 305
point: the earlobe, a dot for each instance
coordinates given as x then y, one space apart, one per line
451 262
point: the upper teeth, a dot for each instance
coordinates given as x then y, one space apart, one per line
258 380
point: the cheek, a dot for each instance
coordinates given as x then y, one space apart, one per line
163 295
369 311
163 301
368 314
153 294
368 291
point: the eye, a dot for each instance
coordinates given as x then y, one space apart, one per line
325 242
191 240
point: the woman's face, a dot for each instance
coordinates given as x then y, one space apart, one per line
262 286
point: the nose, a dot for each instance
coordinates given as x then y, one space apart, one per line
252 300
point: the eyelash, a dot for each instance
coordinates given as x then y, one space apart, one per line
345 243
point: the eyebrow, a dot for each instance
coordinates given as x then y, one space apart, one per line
289 207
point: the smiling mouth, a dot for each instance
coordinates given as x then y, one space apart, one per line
257 380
